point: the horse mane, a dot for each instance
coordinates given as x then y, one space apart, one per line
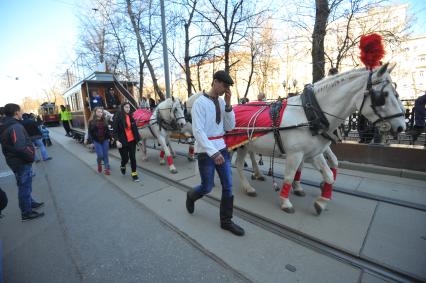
331 81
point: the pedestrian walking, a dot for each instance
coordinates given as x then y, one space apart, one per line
126 134
211 117
100 135
19 153
34 132
66 120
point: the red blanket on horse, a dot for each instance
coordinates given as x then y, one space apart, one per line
142 117
248 118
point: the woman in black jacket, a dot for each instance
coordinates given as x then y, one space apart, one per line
127 136
99 133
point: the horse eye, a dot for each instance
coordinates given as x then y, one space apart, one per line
386 93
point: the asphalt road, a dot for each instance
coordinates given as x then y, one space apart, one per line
93 232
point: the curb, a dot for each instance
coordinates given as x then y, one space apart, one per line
403 173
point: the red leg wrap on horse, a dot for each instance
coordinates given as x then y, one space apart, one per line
169 160
161 154
297 175
334 170
285 190
191 150
327 189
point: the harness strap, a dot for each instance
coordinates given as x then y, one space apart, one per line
318 123
274 111
215 138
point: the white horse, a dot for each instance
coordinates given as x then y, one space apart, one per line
257 174
168 117
372 94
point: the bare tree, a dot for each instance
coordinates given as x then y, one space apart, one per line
229 19
360 17
143 49
197 40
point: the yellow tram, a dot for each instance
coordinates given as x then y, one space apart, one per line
48 112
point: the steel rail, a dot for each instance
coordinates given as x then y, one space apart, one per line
365 195
358 261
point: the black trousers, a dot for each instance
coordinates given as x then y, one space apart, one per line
67 127
128 152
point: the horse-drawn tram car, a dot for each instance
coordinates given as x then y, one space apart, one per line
48 112
99 89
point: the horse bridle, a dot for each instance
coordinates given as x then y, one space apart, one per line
173 125
377 99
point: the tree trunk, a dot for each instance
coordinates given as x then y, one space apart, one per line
250 76
187 65
227 65
143 49
198 76
141 64
318 58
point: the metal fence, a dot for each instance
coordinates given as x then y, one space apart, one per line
356 129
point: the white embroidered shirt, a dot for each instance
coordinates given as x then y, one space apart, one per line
204 125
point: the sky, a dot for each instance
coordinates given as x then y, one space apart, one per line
38 37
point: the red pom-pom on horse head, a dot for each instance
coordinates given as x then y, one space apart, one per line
372 50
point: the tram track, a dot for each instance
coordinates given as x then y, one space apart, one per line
366 265
360 194
308 241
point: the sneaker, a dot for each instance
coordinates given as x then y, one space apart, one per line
49 158
135 177
31 215
123 170
107 172
37 205
99 168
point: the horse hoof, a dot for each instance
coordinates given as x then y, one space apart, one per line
261 178
191 158
173 171
318 208
251 194
289 210
300 193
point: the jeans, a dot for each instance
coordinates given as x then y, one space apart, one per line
39 143
128 152
206 166
24 181
102 152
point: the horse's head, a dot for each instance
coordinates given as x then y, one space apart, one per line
177 112
381 104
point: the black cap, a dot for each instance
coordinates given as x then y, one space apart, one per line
223 77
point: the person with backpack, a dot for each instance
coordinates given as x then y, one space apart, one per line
19 153
34 132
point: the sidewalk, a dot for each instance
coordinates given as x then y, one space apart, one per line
354 224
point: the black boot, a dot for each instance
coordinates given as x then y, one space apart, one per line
226 208
191 197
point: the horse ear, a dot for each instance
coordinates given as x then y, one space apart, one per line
382 69
391 67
